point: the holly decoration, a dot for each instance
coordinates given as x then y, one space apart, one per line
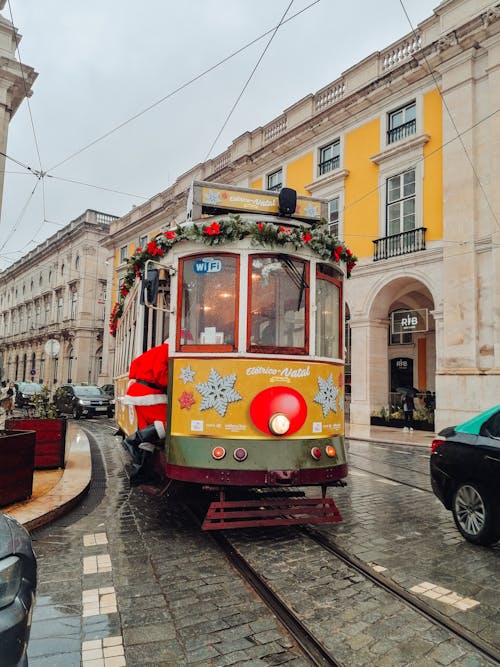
227 230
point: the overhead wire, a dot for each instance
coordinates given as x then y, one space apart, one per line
178 89
259 60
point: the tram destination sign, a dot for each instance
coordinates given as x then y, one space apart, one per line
214 198
410 321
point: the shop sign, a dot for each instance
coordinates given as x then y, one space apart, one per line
410 321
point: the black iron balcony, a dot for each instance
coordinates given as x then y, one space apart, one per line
401 131
329 165
399 244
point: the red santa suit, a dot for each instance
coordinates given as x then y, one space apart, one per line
147 392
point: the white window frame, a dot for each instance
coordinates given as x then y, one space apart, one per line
340 220
269 176
402 108
123 254
401 201
143 241
331 145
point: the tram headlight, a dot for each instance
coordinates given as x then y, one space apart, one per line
279 424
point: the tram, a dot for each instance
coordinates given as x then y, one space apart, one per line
248 292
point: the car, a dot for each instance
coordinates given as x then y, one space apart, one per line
18 579
108 389
25 391
83 400
465 475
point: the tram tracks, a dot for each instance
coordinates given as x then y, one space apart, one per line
239 548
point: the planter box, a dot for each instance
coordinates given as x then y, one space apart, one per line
50 447
399 423
17 458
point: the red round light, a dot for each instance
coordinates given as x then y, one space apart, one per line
278 400
218 453
316 453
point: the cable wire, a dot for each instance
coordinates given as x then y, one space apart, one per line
248 81
471 163
176 90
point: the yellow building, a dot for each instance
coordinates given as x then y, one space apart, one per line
405 147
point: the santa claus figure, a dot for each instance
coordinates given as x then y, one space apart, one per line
147 392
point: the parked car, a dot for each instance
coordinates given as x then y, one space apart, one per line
108 389
465 475
83 400
25 392
17 591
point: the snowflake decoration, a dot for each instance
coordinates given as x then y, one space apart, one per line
187 374
311 211
327 395
212 197
218 392
186 399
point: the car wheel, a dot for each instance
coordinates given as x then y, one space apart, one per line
76 413
473 514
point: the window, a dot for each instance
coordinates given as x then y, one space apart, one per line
42 368
77 262
400 203
328 313
275 180
278 305
329 157
59 309
334 217
209 305
123 254
74 303
47 312
402 123
143 241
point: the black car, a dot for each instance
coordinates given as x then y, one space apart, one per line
17 591
83 400
25 391
465 475
108 389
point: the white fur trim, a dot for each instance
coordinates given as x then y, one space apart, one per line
146 399
160 429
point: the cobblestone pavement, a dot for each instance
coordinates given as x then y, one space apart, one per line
125 580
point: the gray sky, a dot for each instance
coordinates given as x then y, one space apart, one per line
101 62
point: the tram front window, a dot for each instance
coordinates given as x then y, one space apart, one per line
208 311
278 303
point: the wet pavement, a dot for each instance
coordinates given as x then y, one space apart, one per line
126 579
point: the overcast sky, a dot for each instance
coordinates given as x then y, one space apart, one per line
101 62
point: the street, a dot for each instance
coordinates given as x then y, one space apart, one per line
129 579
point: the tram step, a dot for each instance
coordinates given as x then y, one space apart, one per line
226 514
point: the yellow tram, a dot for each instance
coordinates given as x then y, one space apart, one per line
248 292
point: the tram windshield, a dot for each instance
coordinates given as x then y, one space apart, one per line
209 289
278 302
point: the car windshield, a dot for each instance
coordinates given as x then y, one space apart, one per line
88 391
30 388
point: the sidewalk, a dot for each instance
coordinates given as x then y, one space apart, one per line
55 492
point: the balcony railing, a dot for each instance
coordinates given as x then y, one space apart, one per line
329 165
401 131
399 244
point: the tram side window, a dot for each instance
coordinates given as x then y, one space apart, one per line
208 302
328 314
279 298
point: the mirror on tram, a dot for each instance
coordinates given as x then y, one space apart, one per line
149 292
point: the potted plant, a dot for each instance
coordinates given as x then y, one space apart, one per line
50 429
17 456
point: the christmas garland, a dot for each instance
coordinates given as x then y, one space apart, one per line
227 230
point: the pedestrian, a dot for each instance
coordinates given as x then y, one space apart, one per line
408 407
8 401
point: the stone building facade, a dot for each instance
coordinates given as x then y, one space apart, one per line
56 292
405 146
